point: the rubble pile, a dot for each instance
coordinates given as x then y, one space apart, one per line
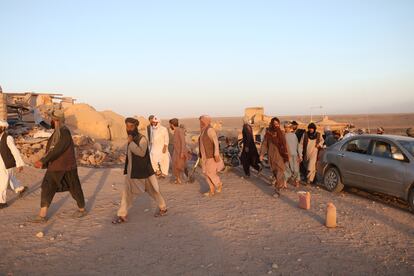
32 144
97 154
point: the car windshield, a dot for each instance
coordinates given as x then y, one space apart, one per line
408 145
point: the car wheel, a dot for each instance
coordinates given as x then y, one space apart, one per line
332 180
411 199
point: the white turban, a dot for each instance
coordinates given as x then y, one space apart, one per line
4 123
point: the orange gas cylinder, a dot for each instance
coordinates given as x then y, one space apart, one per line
304 200
331 216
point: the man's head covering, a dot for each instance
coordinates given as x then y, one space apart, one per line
58 115
410 132
312 126
4 124
361 131
131 120
294 123
205 119
174 122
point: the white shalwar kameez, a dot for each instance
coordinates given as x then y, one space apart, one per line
7 176
159 139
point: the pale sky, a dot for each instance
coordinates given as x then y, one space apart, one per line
186 58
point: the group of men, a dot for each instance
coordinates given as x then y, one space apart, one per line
292 153
147 159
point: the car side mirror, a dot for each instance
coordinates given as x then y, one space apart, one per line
398 156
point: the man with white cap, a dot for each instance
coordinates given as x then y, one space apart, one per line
159 140
10 159
380 131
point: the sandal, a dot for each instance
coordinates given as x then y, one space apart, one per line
220 188
22 192
276 193
38 219
260 170
209 194
161 213
119 220
79 214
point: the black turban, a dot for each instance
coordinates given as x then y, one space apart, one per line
131 120
312 126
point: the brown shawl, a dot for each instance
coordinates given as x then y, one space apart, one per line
276 137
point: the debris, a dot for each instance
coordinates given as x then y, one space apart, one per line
32 145
81 140
42 134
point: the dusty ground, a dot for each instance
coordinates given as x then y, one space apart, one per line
242 231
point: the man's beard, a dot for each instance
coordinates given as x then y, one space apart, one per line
133 133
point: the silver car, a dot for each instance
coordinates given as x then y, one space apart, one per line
379 163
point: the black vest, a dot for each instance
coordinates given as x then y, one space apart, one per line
6 153
141 166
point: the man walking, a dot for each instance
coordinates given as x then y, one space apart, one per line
159 141
62 171
180 152
295 155
10 161
210 155
312 141
139 174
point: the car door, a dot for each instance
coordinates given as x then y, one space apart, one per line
351 160
384 172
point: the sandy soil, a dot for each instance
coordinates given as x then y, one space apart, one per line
244 231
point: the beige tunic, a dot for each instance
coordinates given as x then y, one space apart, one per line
134 187
311 156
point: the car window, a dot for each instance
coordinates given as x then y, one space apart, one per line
358 146
385 150
408 145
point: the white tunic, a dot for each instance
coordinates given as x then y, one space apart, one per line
7 175
159 140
